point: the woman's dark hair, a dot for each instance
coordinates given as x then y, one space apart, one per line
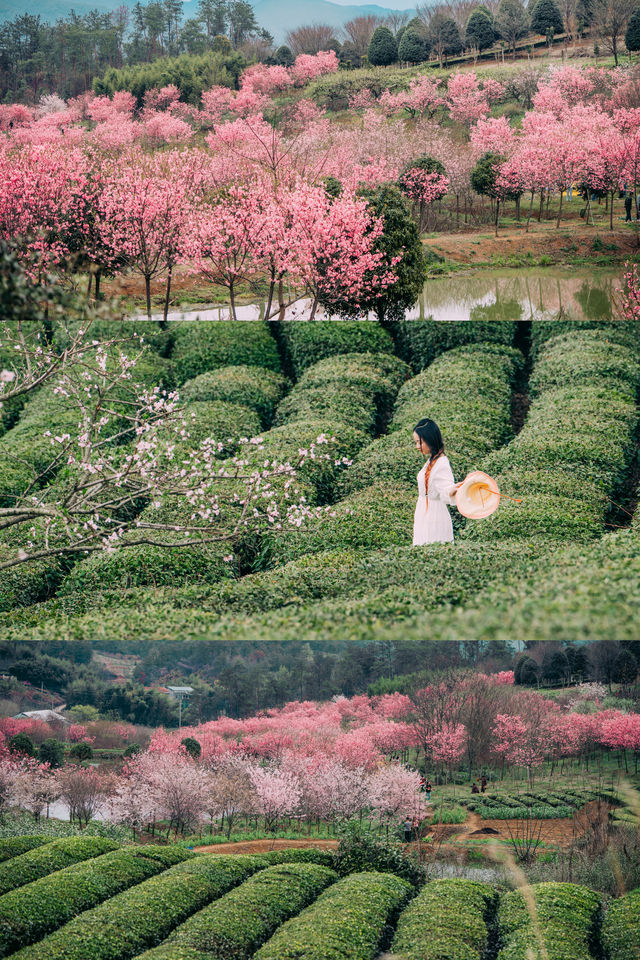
429 431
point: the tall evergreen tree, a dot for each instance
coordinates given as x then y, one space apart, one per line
479 31
382 48
545 17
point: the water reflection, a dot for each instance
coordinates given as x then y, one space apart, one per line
525 295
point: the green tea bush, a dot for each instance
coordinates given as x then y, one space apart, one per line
307 341
32 911
347 922
200 346
357 388
14 846
469 389
377 516
568 918
574 446
221 421
234 926
621 928
255 387
49 857
419 342
143 916
624 332
25 584
299 855
448 918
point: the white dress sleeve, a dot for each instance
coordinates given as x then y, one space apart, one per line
441 482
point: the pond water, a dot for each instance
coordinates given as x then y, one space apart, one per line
543 293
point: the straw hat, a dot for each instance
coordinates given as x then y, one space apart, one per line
478 496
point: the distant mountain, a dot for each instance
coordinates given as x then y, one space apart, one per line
276 16
279 16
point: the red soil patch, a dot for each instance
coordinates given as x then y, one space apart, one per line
263 846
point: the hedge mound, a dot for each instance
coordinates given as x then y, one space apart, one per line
621 928
45 859
235 926
32 911
448 918
419 342
199 346
579 431
469 389
377 516
255 387
141 917
568 919
347 922
14 846
356 388
307 341
624 332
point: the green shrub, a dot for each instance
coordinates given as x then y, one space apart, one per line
44 860
32 911
419 342
143 916
449 815
358 388
618 331
621 928
448 918
346 922
28 583
360 851
568 918
377 516
299 855
254 387
234 926
574 447
14 846
469 390
308 341
583 359
199 346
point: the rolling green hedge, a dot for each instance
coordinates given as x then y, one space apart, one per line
468 392
347 922
143 916
574 447
299 855
307 341
14 846
621 928
235 926
356 388
618 331
28 583
568 918
49 857
255 387
199 346
222 421
149 331
449 919
419 342
31 912
377 516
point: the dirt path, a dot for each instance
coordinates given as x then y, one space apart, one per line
263 846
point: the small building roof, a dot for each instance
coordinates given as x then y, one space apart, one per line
46 715
185 690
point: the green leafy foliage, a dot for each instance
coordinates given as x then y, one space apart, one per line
143 916
52 856
621 928
567 918
382 48
32 911
234 926
469 389
347 922
448 918
360 851
14 846
307 341
255 387
199 347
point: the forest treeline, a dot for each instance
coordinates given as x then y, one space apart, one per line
81 52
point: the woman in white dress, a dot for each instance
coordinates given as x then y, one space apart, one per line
436 487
